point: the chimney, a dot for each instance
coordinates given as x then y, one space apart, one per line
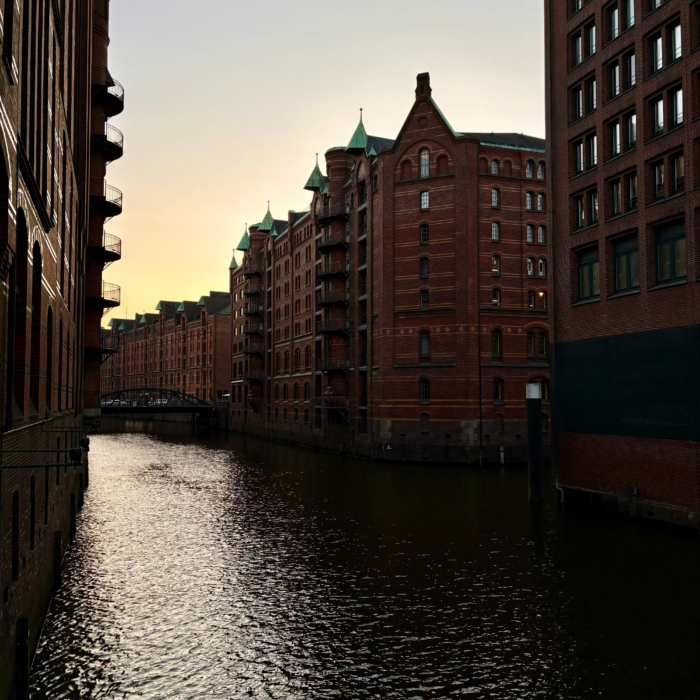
423 86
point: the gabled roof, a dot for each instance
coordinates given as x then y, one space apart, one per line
267 222
190 309
244 245
149 318
378 143
216 302
519 141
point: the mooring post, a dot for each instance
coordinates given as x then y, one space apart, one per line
534 441
22 659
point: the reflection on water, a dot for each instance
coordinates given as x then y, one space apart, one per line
224 567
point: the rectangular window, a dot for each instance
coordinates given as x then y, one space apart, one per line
495 198
631 131
578 157
657 116
588 275
678 173
632 191
579 212
670 253
677 107
629 13
577 103
614 80
424 200
631 69
495 231
674 40
593 202
658 180
626 256
591 39
578 49
656 54
530 233
592 151
531 267
615 197
591 95
615 139
614 17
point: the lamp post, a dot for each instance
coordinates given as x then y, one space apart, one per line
534 441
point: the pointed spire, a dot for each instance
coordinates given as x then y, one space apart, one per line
234 264
358 142
244 245
268 223
313 184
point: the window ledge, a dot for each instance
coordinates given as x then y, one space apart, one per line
619 95
586 301
621 215
625 293
665 132
498 402
661 200
619 155
424 403
542 245
583 228
666 285
583 172
675 62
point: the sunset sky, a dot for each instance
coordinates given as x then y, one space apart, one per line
228 101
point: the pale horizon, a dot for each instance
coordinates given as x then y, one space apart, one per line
238 98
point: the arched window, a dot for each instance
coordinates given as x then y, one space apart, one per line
285 392
406 170
424 268
495 231
424 423
540 202
424 163
307 391
495 198
541 235
442 165
530 233
542 344
543 300
424 200
376 183
424 390
530 265
496 265
424 299
425 344
424 234
496 297
540 171
277 414
307 358
284 415
296 391
529 169
483 165
498 390
297 360
531 344
286 361
531 299
278 363
528 201
495 169
542 267
496 345
296 415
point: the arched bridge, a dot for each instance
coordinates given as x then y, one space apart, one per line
152 400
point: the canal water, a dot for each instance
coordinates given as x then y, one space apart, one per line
214 566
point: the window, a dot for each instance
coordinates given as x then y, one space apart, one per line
530 233
615 198
677 173
531 299
588 275
425 344
578 49
531 344
498 390
631 70
529 169
496 343
632 191
495 198
674 42
657 170
306 415
424 163
590 36
495 265
593 205
577 95
656 54
424 200
578 157
579 212
424 299
424 234
677 107
614 80
495 170
629 13
530 263
592 151
542 344
626 260
540 168
495 231
631 124
424 390
543 300
670 253
424 268
542 234
657 116
540 202
615 139
528 201
496 297
541 267
614 22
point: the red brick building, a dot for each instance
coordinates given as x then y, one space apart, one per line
185 347
56 94
624 221
404 313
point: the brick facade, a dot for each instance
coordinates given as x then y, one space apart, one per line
624 169
367 323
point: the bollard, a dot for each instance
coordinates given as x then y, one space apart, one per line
534 441
57 560
22 659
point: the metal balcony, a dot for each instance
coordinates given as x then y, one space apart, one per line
254 349
340 239
335 296
105 294
105 246
333 326
254 375
106 198
109 90
253 309
339 403
326 270
252 289
334 211
327 364
253 267
253 328
111 141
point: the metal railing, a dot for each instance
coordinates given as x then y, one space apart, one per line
103 290
102 76
253 267
332 326
362 290
328 363
99 188
253 328
253 375
332 402
251 309
334 239
332 268
332 297
332 210
111 243
253 289
362 259
363 359
363 319
114 135
363 400
254 349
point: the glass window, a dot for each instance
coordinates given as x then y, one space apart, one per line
424 234
578 157
579 212
578 49
614 80
540 170
424 200
424 299
496 264
593 201
675 42
424 163
496 297
531 299
498 390
495 231
658 179
530 233
626 255
541 234
528 201
632 191
591 39
678 173
592 151
543 300
424 268
531 267
631 70
631 131
615 139
677 107
495 198
670 253
657 54
424 390
657 116
542 267
529 169
495 170
540 202
591 94
531 344
578 104
425 344
588 275
629 12
614 17
615 198
542 344
496 343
